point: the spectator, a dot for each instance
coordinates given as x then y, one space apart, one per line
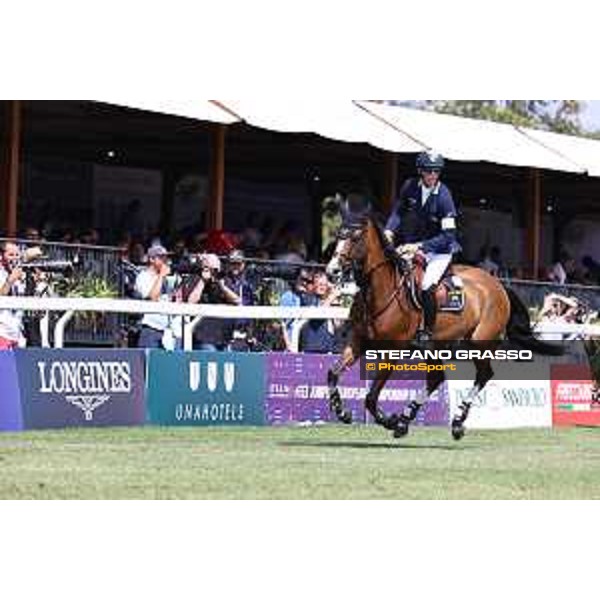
32 235
558 309
300 295
155 283
11 284
322 335
137 254
210 288
180 253
559 270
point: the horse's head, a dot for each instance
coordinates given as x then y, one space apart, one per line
349 250
359 240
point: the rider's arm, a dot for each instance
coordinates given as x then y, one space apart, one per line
446 239
394 220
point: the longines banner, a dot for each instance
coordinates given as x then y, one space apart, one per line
81 388
205 388
10 405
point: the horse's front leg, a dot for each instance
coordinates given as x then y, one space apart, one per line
336 404
410 412
371 402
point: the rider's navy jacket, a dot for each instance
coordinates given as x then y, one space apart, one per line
412 222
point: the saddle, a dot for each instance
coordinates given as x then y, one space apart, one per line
449 292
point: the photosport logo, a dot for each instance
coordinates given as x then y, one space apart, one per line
84 384
212 376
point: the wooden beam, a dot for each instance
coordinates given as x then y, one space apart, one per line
390 180
534 222
217 178
167 201
11 168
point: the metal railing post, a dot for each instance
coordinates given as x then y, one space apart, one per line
188 333
59 328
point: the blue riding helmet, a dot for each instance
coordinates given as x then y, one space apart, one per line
430 160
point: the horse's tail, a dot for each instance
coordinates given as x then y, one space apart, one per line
518 329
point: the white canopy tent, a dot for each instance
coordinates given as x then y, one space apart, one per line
334 119
395 129
471 140
584 151
202 110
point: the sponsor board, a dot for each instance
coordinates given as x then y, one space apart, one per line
205 388
10 401
297 391
81 388
398 393
505 404
506 401
572 396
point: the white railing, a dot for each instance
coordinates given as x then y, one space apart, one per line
69 306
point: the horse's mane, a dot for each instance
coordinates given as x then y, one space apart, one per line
378 220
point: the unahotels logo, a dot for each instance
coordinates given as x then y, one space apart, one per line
207 377
212 376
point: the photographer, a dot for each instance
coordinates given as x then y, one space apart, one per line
11 284
156 284
239 331
208 287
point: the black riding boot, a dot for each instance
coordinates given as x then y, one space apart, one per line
429 313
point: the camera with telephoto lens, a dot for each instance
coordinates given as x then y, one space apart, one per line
286 271
46 266
194 265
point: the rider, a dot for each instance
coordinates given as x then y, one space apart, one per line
423 218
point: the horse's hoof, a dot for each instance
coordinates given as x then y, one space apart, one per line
458 431
391 422
345 417
401 430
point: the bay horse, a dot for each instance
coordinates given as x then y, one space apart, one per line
385 309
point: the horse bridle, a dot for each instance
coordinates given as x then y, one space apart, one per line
361 278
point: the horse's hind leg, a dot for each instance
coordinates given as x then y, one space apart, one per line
336 404
483 375
410 412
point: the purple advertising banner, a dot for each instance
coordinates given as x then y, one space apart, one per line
297 389
297 392
10 401
398 393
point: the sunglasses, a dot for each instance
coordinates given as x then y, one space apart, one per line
431 171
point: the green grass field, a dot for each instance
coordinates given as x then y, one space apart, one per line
328 462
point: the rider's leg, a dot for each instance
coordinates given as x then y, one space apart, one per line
436 266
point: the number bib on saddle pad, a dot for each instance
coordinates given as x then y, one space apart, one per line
450 294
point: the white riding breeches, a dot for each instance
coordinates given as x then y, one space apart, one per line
436 266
